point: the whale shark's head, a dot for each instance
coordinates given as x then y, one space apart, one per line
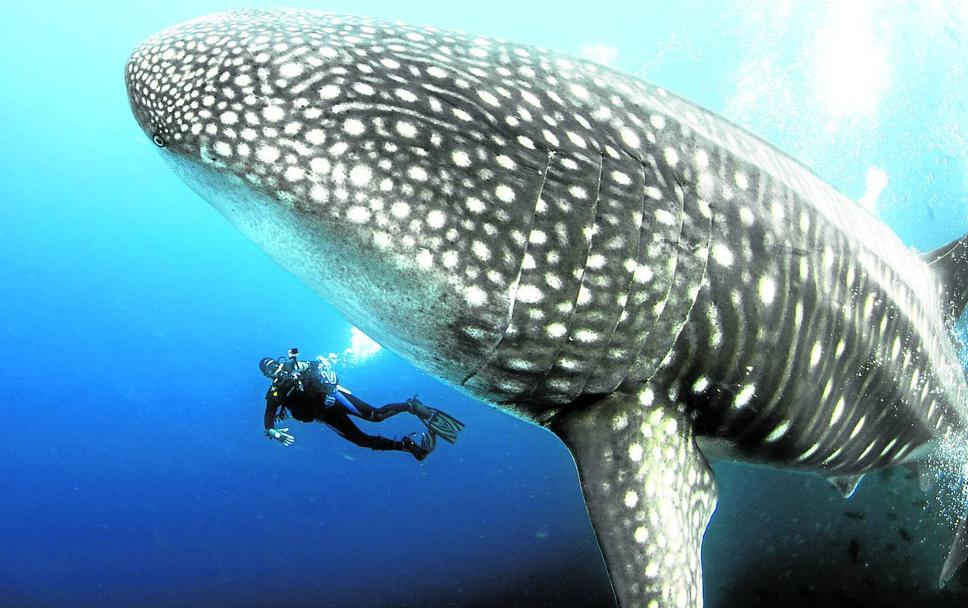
368 158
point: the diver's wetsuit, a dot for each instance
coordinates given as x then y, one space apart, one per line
308 403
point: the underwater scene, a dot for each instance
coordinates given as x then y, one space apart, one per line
519 304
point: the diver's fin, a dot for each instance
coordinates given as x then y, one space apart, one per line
649 493
419 444
444 425
958 552
441 424
950 264
846 484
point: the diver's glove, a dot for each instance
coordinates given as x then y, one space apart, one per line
281 436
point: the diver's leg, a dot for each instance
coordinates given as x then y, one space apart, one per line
440 424
341 423
419 446
355 406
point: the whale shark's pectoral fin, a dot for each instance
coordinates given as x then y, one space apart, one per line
649 491
846 484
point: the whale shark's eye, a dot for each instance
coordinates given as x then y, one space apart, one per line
159 141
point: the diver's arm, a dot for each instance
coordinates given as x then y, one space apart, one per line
275 409
269 421
272 406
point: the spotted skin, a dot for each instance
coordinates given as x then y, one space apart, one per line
650 494
571 244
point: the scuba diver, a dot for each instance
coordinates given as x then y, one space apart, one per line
309 390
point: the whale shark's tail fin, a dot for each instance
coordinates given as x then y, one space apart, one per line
950 264
649 492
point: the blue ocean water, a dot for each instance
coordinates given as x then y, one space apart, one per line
132 318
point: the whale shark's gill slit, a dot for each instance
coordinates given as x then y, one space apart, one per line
568 348
650 304
696 241
604 378
534 213
513 288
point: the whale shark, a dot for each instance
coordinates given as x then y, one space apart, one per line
576 247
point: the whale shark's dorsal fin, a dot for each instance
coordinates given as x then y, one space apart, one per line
950 264
846 484
650 493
